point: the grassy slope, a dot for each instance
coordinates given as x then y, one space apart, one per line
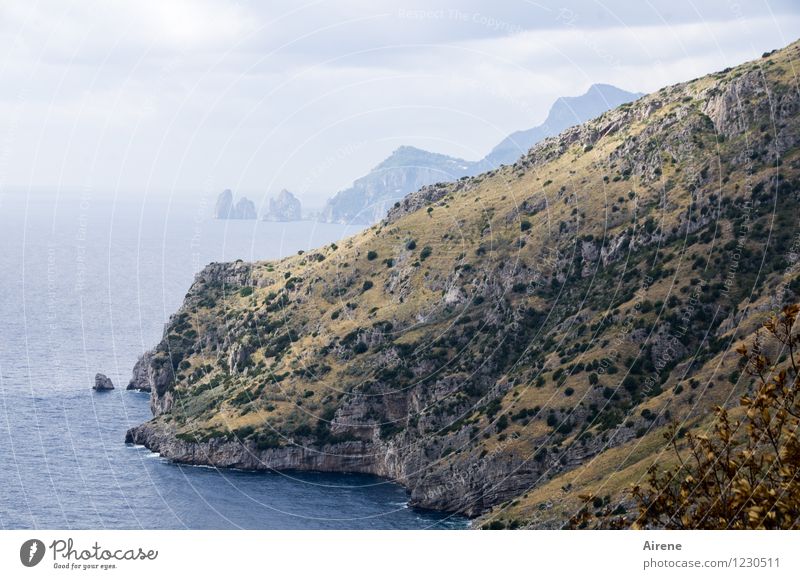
525 238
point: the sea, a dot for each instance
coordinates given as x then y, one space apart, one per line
87 282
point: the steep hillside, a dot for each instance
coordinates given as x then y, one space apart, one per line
504 343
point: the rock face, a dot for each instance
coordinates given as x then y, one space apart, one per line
245 209
226 209
284 207
224 206
497 333
141 378
102 382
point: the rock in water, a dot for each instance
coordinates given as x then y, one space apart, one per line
245 209
226 209
102 382
224 205
284 207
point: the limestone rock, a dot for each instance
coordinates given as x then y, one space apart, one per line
284 207
102 382
226 209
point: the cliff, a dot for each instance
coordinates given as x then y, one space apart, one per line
284 207
226 209
505 343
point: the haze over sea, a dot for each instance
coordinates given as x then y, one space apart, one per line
86 285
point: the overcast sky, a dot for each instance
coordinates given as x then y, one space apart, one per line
170 97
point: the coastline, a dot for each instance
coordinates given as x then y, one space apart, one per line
358 457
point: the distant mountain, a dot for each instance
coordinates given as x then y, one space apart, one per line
408 169
284 207
565 112
226 209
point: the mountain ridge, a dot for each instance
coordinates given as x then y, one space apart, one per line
505 342
408 168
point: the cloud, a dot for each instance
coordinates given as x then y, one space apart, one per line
209 94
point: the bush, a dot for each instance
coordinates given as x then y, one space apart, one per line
246 291
525 226
743 473
425 253
367 286
372 255
502 423
411 245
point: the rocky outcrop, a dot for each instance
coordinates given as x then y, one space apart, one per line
407 169
284 207
155 370
141 378
102 382
226 209
245 209
224 205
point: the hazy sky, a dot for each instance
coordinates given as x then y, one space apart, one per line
170 97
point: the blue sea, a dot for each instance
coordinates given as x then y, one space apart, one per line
87 282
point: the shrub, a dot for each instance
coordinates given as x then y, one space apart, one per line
372 255
246 291
367 286
525 225
743 473
411 245
502 423
425 253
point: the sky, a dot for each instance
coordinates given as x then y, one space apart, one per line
189 97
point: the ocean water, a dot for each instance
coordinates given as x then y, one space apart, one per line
86 284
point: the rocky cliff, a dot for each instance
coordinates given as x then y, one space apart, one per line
226 209
284 207
504 343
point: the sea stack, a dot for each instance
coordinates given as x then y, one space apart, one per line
226 209
102 383
284 207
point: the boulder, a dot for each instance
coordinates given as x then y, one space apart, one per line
102 383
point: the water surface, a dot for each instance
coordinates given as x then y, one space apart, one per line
86 286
